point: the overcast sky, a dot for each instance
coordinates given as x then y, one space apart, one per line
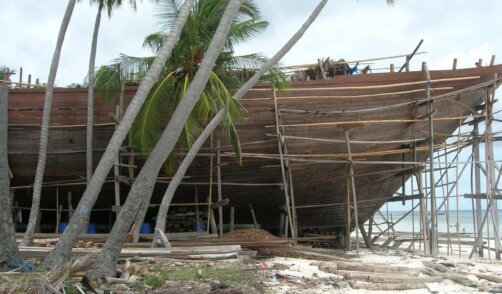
348 29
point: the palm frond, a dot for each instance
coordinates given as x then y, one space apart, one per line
240 32
233 112
167 12
249 9
108 81
152 117
133 68
155 41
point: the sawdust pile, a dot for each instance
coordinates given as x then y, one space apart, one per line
250 234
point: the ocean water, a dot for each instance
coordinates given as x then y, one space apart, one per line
465 221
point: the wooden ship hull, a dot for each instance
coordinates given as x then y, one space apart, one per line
382 117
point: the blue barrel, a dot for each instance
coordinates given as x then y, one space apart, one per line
145 228
92 228
202 227
62 227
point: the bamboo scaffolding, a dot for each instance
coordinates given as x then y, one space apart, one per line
218 176
283 170
377 95
375 121
386 86
343 141
353 186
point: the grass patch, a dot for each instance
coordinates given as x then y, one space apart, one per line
229 274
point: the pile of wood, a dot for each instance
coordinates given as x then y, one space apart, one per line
192 252
378 276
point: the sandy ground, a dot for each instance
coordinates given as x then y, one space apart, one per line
303 276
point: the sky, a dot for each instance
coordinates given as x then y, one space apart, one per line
349 29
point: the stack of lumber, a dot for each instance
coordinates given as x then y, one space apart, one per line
193 252
378 276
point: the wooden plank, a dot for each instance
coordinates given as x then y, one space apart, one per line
221 203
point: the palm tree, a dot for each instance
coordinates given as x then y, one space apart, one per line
80 218
143 185
110 5
44 132
220 116
229 71
8 247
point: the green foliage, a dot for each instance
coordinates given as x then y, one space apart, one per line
230 72
6 69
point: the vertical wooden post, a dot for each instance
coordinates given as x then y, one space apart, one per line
490 169
392 67
492 61
282 221
253 215
370 226
293 206
477 187
366 239
348 244
29 81
232 215
20 75
423 66
457 192
70 205
433 235
283 170
218 169
210 188
407 63
197 214
37 82
454 67
353 186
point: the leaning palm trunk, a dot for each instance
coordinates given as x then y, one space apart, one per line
90 94
44 133
80 218
142 187
8 247
218 118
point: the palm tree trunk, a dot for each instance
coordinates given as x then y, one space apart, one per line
218 118
90 94
44 133
8 247
142 187
80 218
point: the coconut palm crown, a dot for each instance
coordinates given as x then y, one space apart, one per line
228 73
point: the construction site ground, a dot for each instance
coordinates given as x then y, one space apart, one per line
275 269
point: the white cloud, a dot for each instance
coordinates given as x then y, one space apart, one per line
345 29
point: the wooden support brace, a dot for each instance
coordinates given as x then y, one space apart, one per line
221 203
253 215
